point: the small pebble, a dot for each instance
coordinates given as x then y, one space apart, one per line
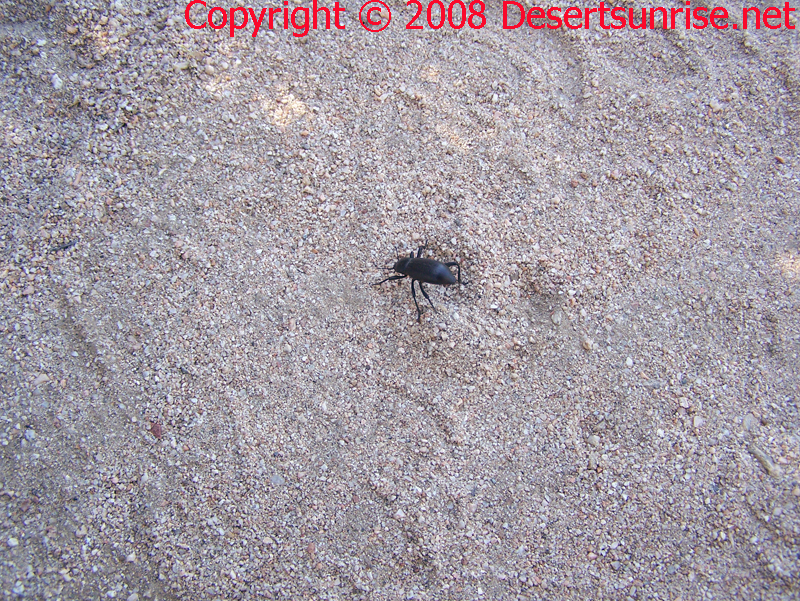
766 462
750 422
156 430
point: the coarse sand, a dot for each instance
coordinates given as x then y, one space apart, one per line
204 398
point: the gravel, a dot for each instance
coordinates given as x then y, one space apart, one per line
204 398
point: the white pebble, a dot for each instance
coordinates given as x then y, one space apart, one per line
41 379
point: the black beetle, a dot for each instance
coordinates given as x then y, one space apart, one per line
423 270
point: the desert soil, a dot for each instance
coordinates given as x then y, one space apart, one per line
204 398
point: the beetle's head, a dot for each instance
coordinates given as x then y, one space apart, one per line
401 264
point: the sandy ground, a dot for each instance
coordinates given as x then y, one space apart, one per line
204 398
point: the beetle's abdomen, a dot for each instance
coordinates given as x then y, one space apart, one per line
429 271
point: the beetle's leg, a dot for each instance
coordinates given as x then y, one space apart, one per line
414 296
425 294
420 249
394 277
459 269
